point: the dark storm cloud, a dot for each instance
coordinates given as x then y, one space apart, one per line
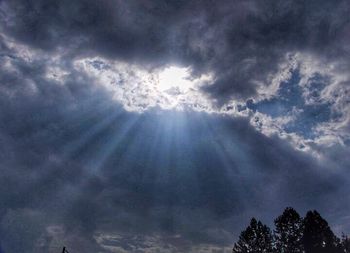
242 41
171 173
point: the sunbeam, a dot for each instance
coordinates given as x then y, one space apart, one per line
109 143
73 147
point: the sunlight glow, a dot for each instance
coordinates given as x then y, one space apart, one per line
174 78
139 89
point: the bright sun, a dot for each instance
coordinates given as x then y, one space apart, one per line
174 77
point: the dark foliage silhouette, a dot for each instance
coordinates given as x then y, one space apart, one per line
64 250
292 234
345 243
289 232
318 236
256 238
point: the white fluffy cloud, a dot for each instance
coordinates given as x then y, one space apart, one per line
138 88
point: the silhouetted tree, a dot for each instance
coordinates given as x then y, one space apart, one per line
345 243
289 232
292 234
257 238
318 237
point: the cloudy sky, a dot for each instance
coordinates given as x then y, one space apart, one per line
163 126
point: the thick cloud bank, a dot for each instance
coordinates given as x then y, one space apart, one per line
97 153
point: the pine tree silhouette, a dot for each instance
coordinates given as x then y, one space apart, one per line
256 238
318 236
289 232
292 234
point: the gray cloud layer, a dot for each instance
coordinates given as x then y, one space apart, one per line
242 41
78 169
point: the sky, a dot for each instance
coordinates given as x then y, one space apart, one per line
164 126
